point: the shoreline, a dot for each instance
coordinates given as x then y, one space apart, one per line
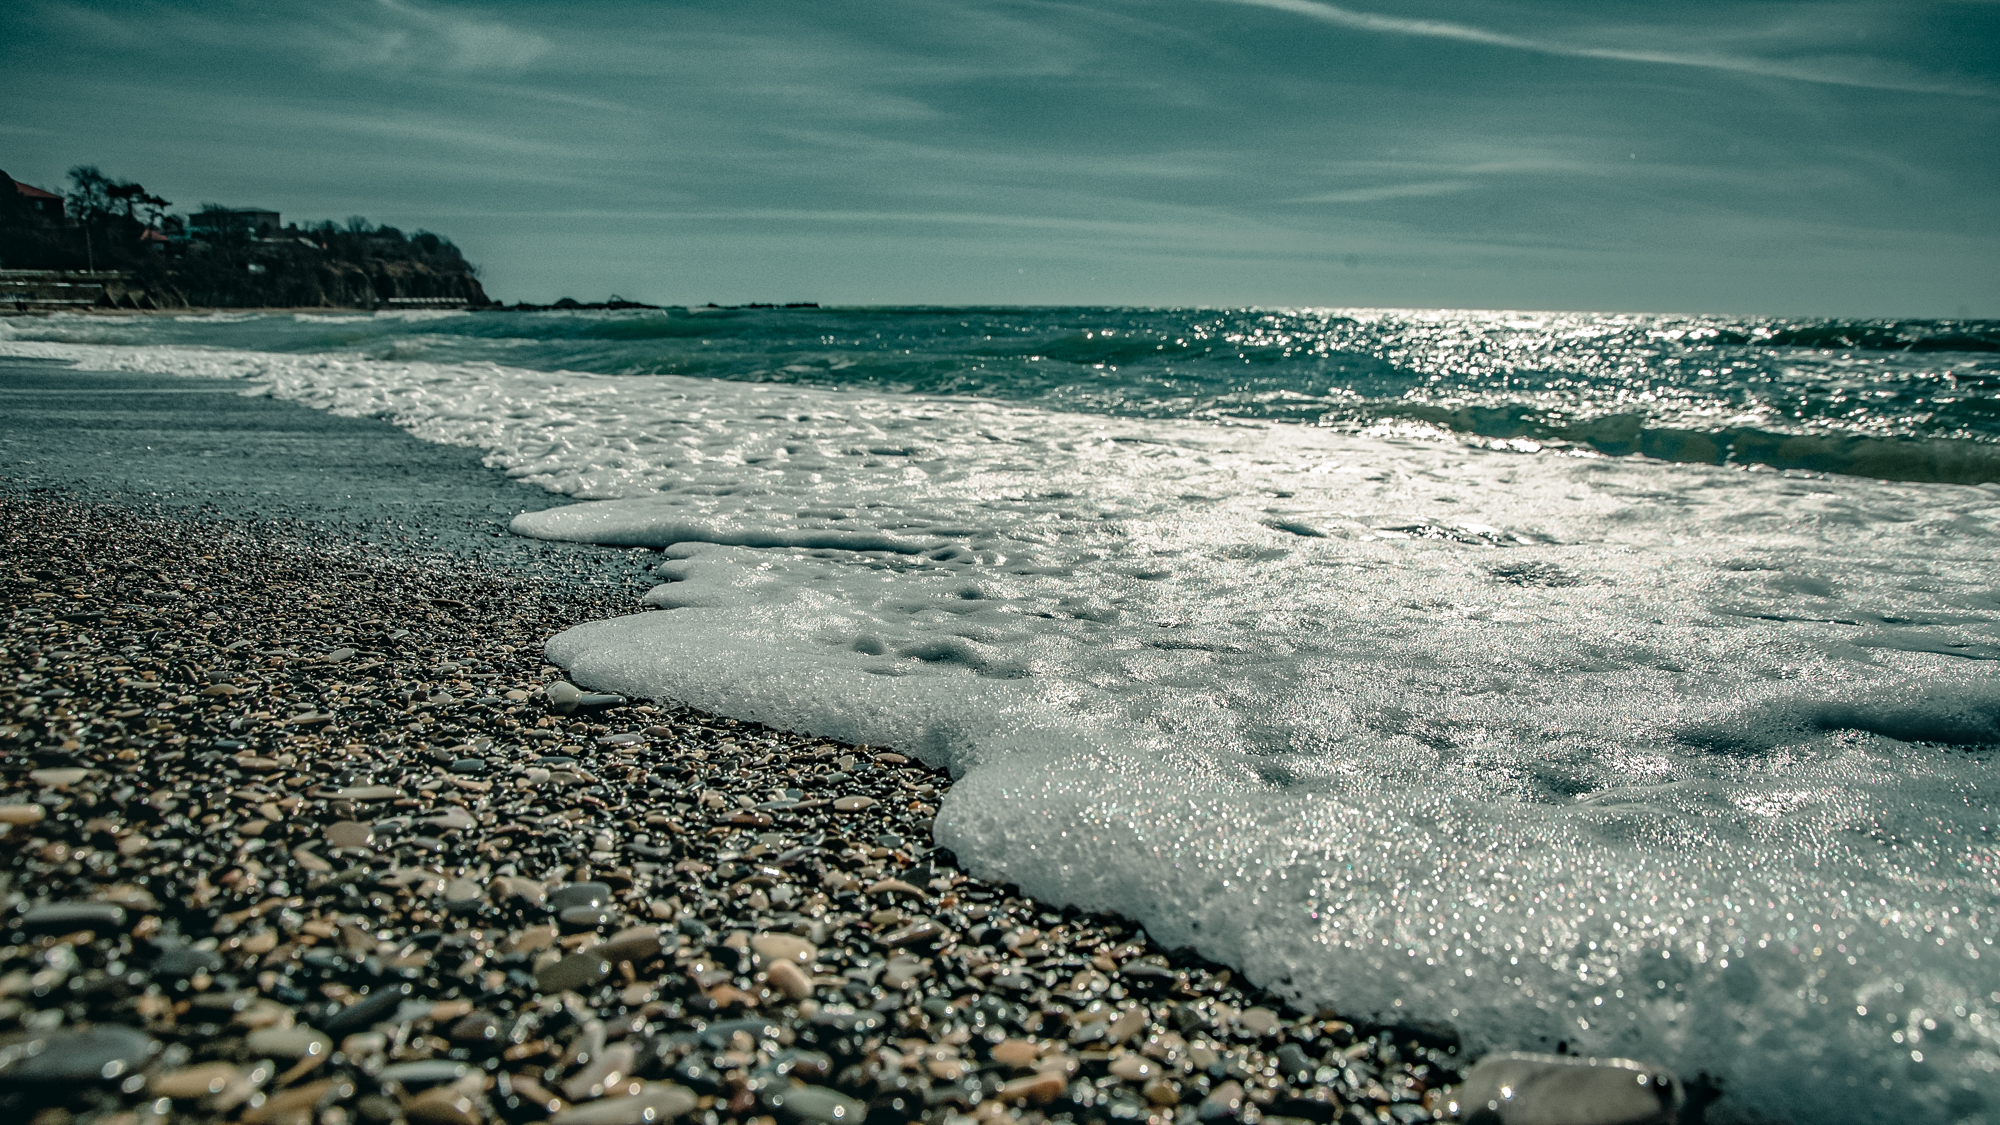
346 775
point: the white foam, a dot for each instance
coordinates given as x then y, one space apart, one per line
1554 748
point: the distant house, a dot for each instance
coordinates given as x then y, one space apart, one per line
248 222
45 203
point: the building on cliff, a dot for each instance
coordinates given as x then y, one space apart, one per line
47 204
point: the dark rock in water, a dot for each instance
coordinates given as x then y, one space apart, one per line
69 917
368 1011
1293 1065
1427 1033
97 1054
579 894
1512 1088
814 1105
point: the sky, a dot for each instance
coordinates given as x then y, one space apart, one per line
1762 157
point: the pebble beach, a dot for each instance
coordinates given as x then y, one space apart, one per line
301 830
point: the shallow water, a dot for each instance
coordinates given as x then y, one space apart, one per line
1678 760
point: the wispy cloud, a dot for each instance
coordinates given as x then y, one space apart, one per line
1388 191
1865 73
399 35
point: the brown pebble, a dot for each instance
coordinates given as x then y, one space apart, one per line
192 1081
790 980
287 1104
22 814
852 804
1127 1025
773 948
444 1105
1036 1089
349 834
1016 1052
895 887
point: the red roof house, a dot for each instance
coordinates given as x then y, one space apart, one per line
43 202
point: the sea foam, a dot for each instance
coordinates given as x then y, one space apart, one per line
1674 761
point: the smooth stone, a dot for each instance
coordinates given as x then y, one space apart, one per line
367 793
58 778
296 1042
894 887
1134 1068
376 1007
441 1106
814 1105
463 890
192 1082
1035 1089
479 1027
1293 1063
1258 1021
790 980
1016 1052
637 944
349 834
902 971
1225 1103
69 917
97 1054
469 765
1515 1088
655 1102
22 814
452 819
585 917
627 738
423 1072
579 894
338 655
178 961
563 696
772 948
505 887
573 973
852 804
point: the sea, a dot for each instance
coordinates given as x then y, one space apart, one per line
1607 684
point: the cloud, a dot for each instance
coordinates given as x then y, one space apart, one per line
1865 73
397 35
1388 191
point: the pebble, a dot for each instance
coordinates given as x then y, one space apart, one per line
104 1053
579 894
374 1008
368 793
22 814
790 980
1512 1088
58 778
814 1105
655 1102
295 1042
349 834
572 973
422 1074
853 804
193 1081
69 917
772 948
